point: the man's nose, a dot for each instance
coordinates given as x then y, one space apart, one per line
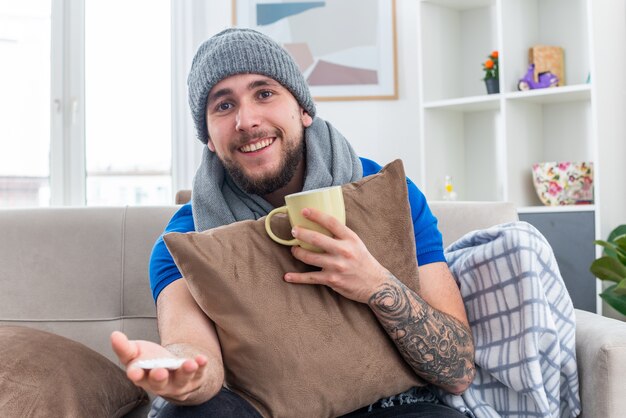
248 117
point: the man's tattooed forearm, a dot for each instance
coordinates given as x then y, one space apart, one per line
437 346
390 305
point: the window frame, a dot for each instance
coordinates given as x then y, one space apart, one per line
67 110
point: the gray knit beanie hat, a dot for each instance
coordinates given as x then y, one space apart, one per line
241 51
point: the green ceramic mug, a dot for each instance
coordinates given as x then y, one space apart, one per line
328 200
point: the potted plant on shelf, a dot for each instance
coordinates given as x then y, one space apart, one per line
612 267
492 76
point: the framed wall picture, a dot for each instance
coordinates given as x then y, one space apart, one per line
346 49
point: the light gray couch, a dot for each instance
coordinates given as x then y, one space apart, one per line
83 272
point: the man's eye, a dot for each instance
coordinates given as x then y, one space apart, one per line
224 106
265 94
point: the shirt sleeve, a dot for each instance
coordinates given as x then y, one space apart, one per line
428 239
163 270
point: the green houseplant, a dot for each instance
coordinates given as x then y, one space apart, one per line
612 267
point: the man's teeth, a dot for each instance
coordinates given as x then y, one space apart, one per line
257 145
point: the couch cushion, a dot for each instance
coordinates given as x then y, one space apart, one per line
46 375
300 350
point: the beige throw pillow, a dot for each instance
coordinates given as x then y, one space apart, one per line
46 375
303 350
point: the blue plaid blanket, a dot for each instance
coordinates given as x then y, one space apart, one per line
523 324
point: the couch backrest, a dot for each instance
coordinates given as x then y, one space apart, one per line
80 272
83 272
458 218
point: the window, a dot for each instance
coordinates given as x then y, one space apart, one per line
128 102
86 102
25 38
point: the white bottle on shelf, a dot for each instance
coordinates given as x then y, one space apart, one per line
448 190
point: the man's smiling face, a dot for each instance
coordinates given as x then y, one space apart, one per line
256 128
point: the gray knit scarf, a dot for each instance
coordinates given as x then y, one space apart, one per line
216 199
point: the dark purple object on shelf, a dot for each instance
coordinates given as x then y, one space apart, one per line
528 82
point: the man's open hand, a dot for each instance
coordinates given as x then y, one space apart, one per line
175 385
347 266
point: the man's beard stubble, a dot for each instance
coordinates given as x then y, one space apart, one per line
291 158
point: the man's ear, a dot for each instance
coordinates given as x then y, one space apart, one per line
306 119
210 145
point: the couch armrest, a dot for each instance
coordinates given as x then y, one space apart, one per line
601 357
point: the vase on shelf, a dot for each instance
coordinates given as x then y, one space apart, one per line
493 85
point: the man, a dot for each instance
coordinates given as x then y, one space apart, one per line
253 109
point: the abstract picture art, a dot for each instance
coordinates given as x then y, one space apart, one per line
346 49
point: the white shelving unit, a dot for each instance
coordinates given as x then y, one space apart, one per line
488 143
556 209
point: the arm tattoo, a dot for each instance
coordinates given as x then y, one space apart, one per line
437 346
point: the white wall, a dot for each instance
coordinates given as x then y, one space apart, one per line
609 46
609 49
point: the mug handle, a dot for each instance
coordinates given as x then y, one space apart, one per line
268 227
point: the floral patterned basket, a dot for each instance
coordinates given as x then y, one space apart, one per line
564 183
